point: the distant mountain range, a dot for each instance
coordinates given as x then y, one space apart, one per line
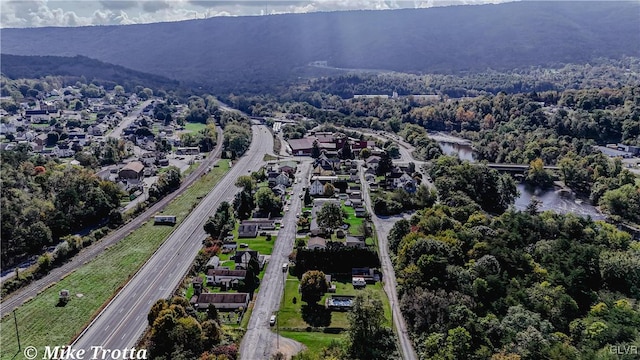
227 51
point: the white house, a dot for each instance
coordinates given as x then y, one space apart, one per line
283 179
316 188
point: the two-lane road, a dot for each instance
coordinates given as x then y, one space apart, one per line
259 341
124 319
383 227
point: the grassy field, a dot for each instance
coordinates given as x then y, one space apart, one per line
355 223
41 322
194 127
314 343
298 319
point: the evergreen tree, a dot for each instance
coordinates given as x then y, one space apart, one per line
315 150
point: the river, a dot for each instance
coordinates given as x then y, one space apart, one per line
551 199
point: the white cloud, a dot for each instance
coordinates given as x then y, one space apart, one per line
35 13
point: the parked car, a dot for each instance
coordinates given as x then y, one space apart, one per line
272 320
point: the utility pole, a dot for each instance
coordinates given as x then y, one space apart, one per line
15 320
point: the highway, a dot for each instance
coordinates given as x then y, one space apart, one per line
87 254
259 342
124 319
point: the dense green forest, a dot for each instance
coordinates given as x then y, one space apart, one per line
43 200
535 285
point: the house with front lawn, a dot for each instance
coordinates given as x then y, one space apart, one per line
243 257
225 277
222 301
247 231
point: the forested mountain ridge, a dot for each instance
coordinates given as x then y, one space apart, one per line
226 51
109 75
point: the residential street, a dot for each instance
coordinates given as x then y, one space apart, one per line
124 319
259 341
116 133
383 226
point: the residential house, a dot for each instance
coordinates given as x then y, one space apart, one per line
78 137
355 241
289 168
8 128
41 140
271 178
368 274
243 257
247 231
97 130
213 263
222 301
316 188
63 150
262 224
361 212
225 277
353 175
197 285
279 190
283 179
316 242
403 181
372 162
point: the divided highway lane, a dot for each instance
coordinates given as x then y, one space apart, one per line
14 300
259 341
124 320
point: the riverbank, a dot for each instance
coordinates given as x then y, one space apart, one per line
447 138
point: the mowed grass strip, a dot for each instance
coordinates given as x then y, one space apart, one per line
42 323
314 343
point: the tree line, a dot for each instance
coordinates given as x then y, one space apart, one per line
519 285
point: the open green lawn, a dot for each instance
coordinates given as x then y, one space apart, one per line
354 222
194 127
298 316
300 322
41 322
314 343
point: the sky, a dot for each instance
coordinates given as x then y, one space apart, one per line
39 13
